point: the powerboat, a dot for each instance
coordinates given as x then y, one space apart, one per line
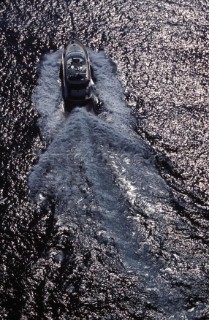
78 87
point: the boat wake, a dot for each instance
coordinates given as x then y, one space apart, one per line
96 168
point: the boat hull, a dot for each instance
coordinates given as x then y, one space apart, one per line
78 87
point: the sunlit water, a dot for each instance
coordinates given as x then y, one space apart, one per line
100 156
105 217
96 167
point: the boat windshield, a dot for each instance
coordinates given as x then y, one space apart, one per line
76 65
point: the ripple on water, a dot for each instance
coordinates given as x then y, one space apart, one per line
54 267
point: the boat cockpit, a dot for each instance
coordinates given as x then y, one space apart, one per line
76 66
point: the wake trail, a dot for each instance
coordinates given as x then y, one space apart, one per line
97 168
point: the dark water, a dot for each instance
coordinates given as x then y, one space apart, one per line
105 217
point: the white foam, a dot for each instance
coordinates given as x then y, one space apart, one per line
97 164
110 91
47 95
